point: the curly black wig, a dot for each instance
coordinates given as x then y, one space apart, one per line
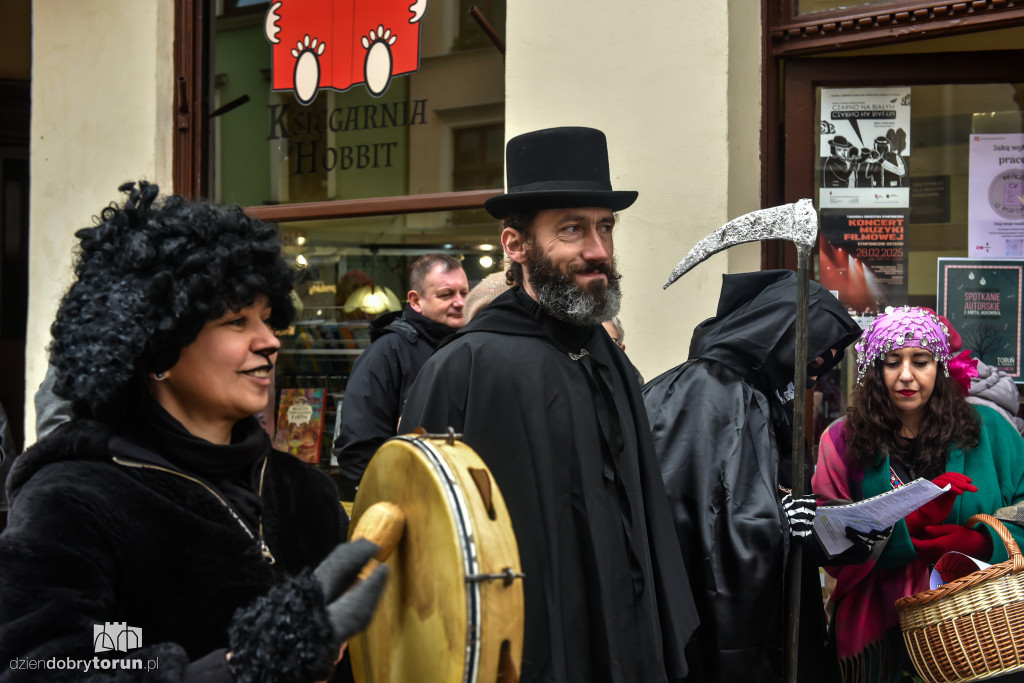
149 275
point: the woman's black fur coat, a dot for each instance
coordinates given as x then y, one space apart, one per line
91 541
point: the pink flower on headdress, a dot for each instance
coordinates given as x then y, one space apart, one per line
962 369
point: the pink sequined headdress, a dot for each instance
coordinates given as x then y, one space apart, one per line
903 327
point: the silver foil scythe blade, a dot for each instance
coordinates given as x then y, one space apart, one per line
797 223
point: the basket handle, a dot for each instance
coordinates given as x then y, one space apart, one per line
1012 549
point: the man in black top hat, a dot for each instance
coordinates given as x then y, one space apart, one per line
546 398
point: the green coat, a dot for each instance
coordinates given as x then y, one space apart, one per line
995 466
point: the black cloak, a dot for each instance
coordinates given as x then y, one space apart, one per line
723 434
567 441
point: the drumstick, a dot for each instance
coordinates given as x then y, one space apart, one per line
383 523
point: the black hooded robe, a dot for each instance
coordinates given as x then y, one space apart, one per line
724 439
605 589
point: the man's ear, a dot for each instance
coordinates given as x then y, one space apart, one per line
415 300
514 244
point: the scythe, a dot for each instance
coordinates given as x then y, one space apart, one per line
797 223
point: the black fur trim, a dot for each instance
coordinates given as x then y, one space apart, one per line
284 635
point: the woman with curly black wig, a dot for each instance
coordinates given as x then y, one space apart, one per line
908 419
158 531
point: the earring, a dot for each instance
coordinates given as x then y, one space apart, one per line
159 376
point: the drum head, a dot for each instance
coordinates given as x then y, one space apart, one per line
432 624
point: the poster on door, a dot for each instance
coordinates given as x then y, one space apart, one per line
863 258
981 298
995 209
864 147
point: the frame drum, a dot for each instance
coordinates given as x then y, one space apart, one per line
452 610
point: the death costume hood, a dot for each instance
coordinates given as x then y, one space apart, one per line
721 424
754 330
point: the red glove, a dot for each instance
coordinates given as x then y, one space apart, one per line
938 540
936 511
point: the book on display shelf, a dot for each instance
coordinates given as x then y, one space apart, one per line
300 423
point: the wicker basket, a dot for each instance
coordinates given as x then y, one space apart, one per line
972 628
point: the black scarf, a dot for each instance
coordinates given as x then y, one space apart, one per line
233 469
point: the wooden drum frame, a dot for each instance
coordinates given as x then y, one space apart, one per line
452 610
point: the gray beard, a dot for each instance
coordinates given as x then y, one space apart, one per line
565 300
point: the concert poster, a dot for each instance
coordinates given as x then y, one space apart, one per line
863 260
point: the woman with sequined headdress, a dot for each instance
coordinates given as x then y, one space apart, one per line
909 419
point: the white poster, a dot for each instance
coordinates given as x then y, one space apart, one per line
995 213
864 149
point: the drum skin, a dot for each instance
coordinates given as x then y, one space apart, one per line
432 624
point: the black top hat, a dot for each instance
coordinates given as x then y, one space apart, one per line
558 168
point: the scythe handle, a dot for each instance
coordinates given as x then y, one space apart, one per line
795 565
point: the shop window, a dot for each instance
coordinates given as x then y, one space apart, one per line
911 163
376 122
478 158
363 173
888 148
469 35
354 270
235 6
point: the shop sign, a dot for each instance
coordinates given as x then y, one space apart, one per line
981 298
341 43
995 214
316 143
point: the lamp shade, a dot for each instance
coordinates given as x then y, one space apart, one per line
372 300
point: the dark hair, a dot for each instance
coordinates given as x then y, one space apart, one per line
874 422
521 222
422 266
149 275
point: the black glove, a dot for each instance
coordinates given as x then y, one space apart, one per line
350 612
864 541
800 513
294 632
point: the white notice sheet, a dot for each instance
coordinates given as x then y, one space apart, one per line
879 512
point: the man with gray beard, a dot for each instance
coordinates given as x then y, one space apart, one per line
539 390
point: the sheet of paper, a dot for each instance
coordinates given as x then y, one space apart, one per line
879 512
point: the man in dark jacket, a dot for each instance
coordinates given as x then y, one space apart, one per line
722 425
550 403
400 344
